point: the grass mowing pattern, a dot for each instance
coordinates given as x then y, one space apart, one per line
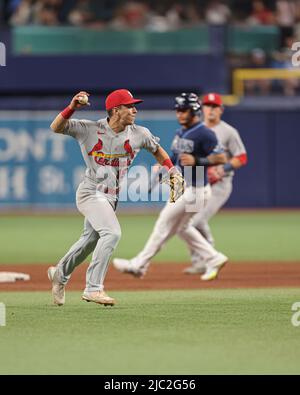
171 332
244 236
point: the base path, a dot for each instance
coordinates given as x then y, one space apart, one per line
167 276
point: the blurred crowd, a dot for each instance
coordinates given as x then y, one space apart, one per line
259 59
155 15
167 15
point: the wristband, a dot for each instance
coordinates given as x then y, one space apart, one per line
167 163
242 158
228 167
67 112
202 161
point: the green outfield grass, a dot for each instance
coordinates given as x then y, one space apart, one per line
171 332
260 235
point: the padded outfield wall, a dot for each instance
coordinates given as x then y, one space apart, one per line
41 169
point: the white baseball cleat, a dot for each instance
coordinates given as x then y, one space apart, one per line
126 266
195 269
58 289
99 297
214 268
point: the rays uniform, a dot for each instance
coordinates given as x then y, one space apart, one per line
198 141
175 218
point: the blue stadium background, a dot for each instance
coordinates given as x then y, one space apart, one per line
38 169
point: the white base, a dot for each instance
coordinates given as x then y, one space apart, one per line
11 277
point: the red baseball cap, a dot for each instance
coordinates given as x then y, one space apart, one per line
212 98
119 97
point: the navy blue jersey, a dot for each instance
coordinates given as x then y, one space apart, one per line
198 141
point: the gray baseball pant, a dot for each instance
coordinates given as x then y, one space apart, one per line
220 193
176 219
101 234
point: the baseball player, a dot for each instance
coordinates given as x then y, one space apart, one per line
194 144
108 148
220 177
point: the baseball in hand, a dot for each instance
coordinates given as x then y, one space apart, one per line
83 99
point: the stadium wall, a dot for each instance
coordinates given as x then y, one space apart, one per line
39 169
143 73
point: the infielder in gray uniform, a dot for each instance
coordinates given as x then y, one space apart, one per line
108 147
220 177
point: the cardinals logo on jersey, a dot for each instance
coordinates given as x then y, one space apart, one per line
97 147
129 149
112 159
97 153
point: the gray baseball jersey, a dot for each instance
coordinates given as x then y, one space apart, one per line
221 191
107 154
230 140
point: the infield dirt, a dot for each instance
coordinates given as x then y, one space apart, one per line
167 276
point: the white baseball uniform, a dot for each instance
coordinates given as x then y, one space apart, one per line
220 191
107 156
175 218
